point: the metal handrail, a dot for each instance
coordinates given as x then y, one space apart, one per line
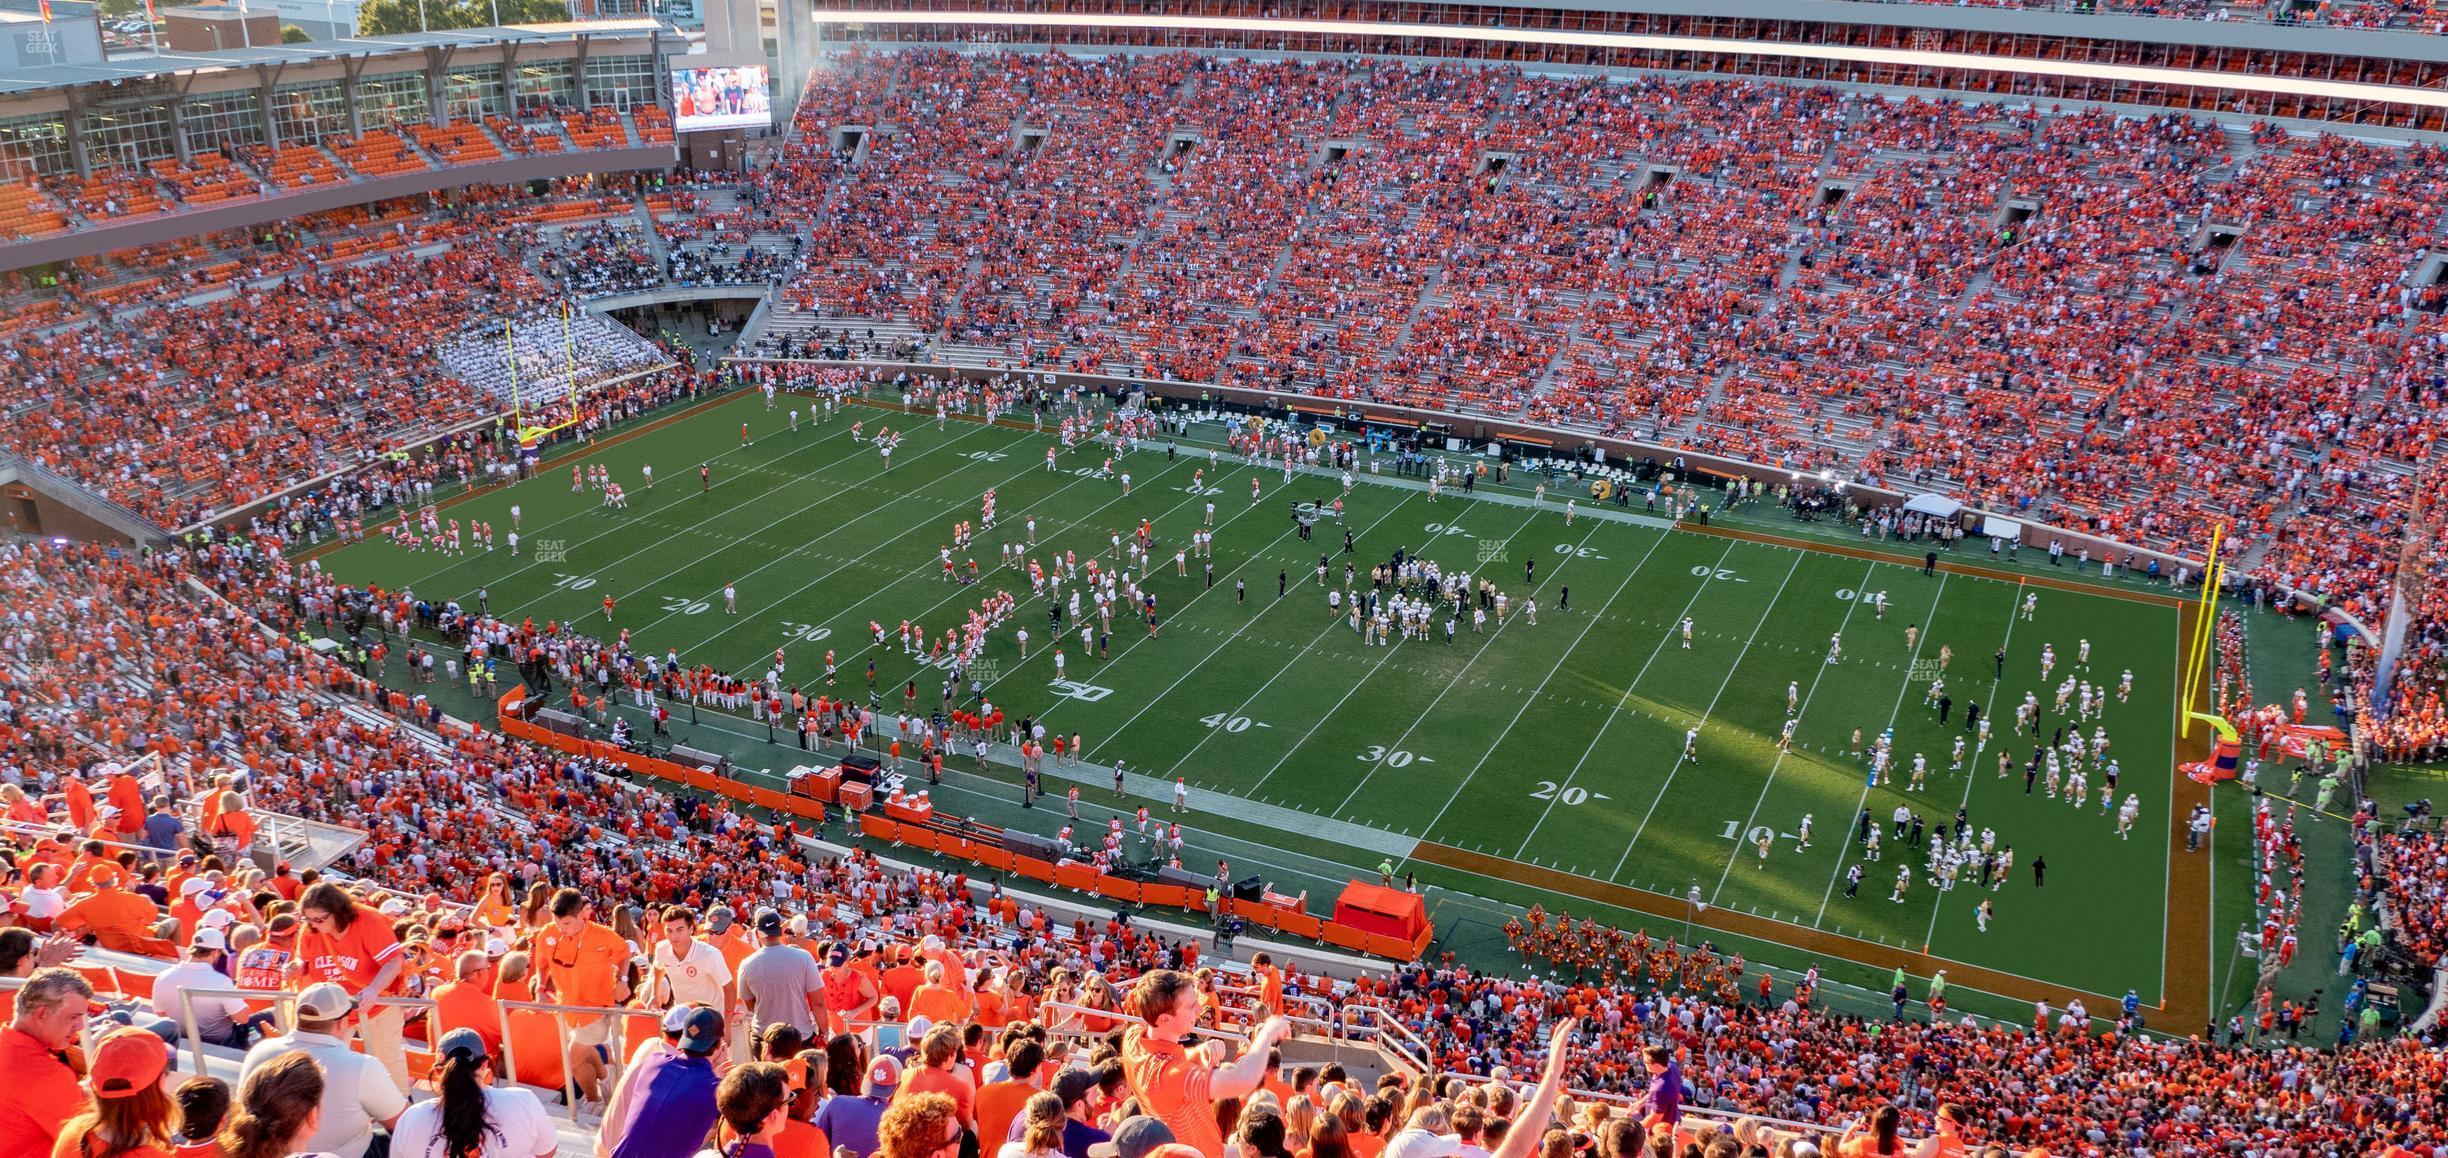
509 1068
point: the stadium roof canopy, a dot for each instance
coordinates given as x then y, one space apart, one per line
148 66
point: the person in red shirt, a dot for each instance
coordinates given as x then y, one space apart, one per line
350 945
39 1062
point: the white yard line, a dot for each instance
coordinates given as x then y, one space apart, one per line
1970 768
1616 709
828 496
1370 674
1862 595
958 590
1704 715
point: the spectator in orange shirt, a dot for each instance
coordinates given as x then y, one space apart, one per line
352 946
902 980
1270 983
231 831
937 1002
1181 1086
579 962
497 909
119 920
940 1072
1000 1103
127 796
38 1065
467 1002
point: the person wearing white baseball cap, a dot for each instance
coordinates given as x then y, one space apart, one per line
218 1020
358 1093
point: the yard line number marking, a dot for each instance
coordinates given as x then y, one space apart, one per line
1568 794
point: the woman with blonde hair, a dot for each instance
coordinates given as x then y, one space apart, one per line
279 1106
231 831
1041 1130
130 1115
1300 1120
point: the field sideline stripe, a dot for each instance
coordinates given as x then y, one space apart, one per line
1944 564
1741 924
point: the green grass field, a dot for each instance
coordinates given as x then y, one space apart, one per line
1555 746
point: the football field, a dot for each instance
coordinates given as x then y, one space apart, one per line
1527 762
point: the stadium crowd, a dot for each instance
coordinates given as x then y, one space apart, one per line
1704 262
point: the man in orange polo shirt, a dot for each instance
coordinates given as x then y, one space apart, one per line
578 962
1181 1086
467 1002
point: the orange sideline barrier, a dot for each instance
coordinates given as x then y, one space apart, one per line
1084 878
1077 876
1302 925
1167 896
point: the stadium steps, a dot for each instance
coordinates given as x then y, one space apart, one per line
1431 297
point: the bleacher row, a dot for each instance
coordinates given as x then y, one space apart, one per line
118 658
219 176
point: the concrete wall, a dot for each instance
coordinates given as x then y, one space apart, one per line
26 510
